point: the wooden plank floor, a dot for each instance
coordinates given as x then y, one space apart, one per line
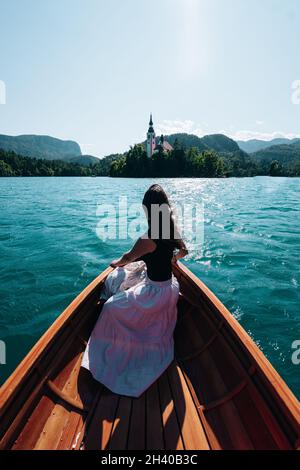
165 417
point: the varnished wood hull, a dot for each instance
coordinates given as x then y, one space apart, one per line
219 393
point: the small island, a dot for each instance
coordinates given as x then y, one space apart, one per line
174 156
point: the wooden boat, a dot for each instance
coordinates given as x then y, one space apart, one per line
220 392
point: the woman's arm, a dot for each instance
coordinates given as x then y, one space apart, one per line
182 252
140 248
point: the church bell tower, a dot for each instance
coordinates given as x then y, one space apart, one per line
151 139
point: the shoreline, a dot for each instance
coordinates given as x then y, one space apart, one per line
153 177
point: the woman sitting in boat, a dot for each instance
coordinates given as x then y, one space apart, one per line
132 343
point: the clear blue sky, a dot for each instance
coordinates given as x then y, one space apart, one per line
92 70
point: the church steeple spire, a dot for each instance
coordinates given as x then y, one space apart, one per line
151 129
151 139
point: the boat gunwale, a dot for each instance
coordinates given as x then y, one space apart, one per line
281 392
13 383
272 382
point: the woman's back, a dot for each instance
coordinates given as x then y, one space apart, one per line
159 261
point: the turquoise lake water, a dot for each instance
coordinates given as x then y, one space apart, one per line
49 251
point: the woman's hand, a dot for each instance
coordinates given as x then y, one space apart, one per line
117 263
180 254
140 248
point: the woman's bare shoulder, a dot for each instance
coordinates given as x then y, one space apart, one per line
147 244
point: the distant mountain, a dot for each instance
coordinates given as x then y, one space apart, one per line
187 141
220 143
217 142
288 155
40 146
251 146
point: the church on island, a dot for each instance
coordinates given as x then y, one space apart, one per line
154 144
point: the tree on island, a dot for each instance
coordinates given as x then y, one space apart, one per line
189 162
177 163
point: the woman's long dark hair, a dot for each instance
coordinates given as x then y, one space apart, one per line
156 196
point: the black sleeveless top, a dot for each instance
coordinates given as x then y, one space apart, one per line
159 262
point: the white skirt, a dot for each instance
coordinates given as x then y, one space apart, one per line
132 342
